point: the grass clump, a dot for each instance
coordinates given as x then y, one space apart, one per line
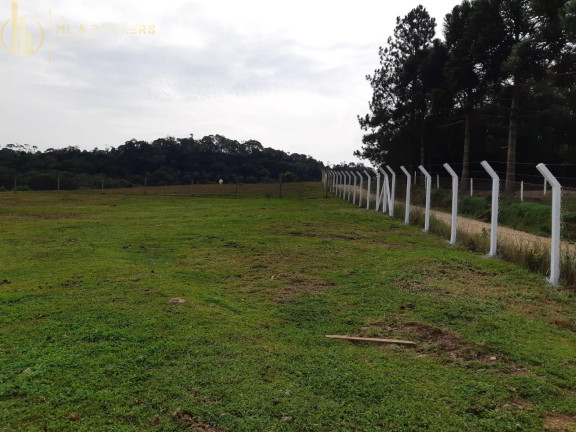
527 216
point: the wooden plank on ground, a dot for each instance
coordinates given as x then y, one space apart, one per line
373 340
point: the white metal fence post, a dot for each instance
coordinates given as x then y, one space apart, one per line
392 191
350 187
556 207
454 202
360 188
368 189
335 185
428 187
342 180
437 181
471 187
353 174
384 196
545 184
494 214
415 178
377 206
408 182
348 179
522 191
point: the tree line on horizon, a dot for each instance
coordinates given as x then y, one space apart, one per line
162 162
500 86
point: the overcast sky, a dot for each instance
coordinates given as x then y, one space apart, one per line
289 73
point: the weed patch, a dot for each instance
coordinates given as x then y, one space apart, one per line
560 423
431 339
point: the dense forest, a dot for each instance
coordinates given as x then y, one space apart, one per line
499 86
164 161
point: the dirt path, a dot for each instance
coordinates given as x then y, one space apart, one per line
506 235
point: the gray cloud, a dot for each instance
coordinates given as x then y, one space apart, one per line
198 73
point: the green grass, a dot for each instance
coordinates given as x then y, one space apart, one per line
87 329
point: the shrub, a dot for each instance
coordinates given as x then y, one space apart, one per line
530 217
21 188
477 208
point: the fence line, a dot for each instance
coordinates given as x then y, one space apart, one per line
386 191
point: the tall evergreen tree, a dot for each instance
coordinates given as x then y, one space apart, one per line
474 37
535 41
399 101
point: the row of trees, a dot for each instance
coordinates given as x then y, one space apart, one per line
500 86
164 161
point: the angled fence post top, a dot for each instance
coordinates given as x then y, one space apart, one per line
450 170
405 171
548 175
489 170
423 171
391 170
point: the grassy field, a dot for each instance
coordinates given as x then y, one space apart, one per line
208 313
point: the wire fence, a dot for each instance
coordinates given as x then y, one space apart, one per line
305 190
524 213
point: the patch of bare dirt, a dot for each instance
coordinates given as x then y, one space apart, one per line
560 423
520 372
187 418
297 284
454 277
563 323
520 404
429 338
176 300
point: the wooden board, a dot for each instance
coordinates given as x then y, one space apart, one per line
373 340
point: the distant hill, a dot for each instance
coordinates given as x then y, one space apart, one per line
162 162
